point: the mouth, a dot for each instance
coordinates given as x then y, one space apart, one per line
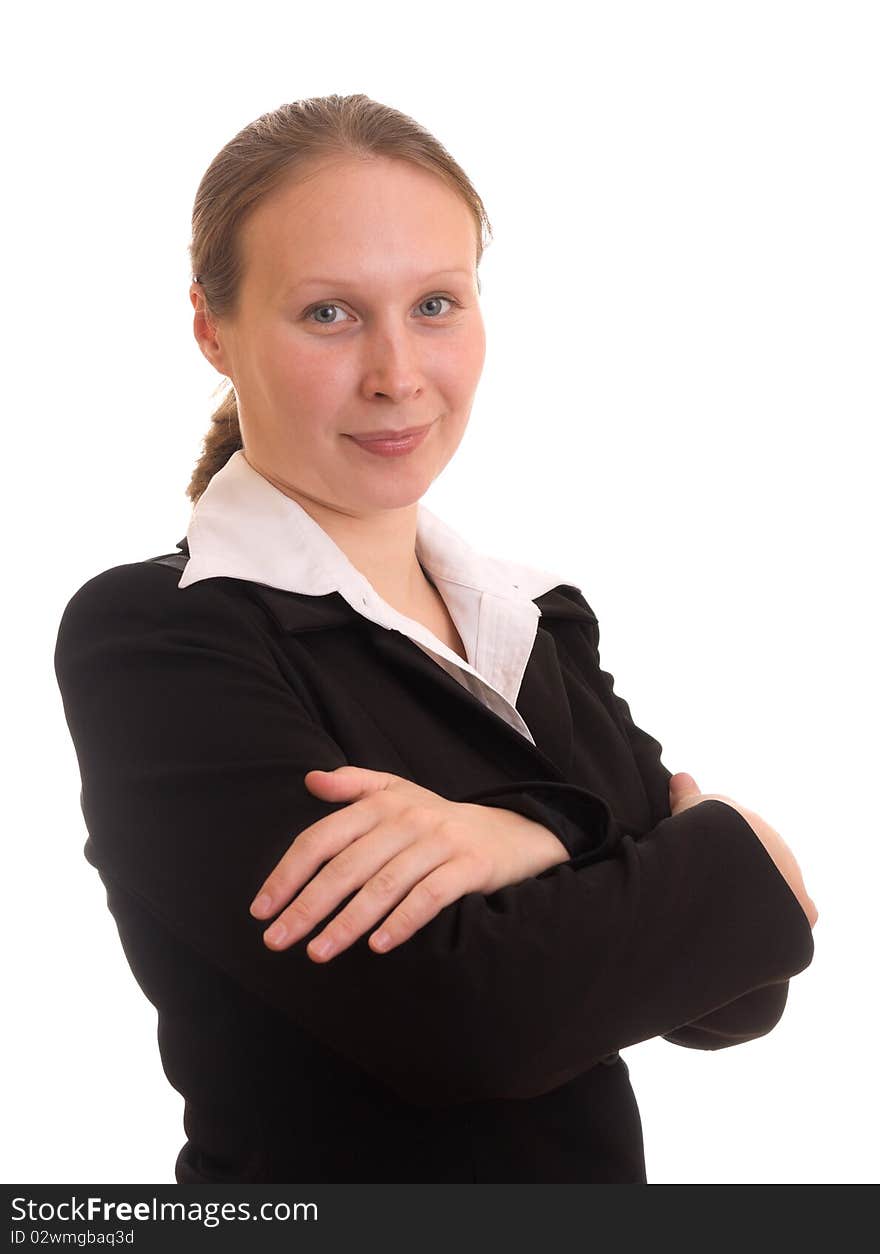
403 433
395 444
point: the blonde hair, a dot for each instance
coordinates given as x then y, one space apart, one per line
266 152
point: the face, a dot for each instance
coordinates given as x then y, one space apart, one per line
358 312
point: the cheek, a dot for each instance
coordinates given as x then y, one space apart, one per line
473 345
465 365
301 371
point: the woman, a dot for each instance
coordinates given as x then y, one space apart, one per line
342 717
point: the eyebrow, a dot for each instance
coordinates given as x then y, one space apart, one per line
328 282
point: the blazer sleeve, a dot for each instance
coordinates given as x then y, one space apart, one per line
745 1018
192 744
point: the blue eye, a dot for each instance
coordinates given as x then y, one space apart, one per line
321 309
429 299
331 305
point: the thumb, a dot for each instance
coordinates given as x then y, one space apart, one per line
346 781
682 785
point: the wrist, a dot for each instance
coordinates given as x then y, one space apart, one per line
517 848
544 844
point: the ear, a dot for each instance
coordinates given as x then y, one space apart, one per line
207 332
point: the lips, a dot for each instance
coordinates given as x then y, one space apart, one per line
390 433
400 445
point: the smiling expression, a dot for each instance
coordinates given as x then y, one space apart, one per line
358 311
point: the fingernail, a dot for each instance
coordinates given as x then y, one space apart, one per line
275 933
261 904
381 940
320 948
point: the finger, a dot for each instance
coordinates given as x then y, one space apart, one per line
430 891
379 872
424 902
342 875
304 856
316 844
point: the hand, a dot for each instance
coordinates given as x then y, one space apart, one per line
404 844
684 792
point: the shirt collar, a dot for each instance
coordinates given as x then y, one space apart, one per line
243 527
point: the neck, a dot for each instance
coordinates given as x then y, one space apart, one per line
382 546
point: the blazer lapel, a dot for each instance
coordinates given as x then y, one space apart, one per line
430 679
542 702
543 697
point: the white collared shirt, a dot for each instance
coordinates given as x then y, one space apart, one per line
243 527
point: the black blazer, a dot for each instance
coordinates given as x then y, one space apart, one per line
485 1048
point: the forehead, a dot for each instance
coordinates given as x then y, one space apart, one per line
347 219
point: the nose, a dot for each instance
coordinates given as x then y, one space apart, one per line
392 364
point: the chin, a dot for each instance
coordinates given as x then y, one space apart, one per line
394 491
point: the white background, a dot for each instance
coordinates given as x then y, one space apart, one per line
678 405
